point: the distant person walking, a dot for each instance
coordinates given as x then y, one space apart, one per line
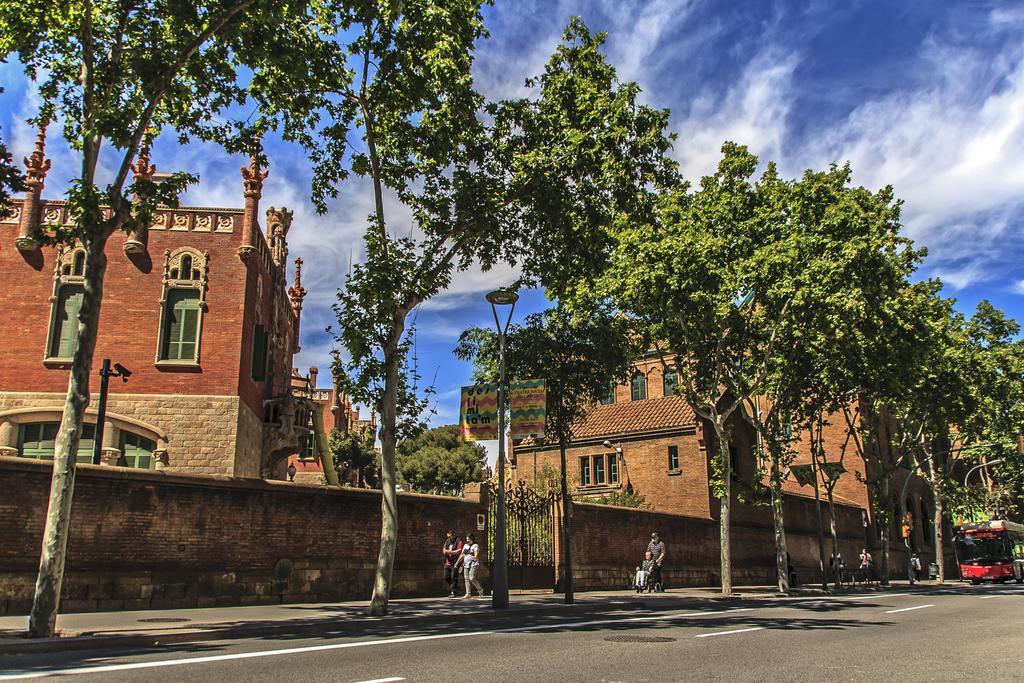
470 561
451 550
657 550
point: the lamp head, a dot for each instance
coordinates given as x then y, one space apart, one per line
502 297
607 443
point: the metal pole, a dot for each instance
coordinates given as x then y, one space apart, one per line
903 516
821 533
101 413
499 592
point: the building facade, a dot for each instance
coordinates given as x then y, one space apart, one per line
197 307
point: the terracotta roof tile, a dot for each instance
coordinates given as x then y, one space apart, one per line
631 417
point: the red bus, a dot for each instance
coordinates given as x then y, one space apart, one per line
990 551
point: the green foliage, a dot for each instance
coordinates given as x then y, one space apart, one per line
354 452
620 499
436 462
577 354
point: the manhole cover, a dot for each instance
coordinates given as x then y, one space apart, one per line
164 620
640 639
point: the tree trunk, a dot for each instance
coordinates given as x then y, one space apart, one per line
43 617
389 493
566 528
323 447
836 572
725 506
940 555
781 556
884 559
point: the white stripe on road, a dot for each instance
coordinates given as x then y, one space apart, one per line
877 597
729 633
908 609
383 680
345 646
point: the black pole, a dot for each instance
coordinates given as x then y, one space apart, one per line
566 530
821 533
101 412
499 591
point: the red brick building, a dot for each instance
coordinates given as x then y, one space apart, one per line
338 413
196 306
646 439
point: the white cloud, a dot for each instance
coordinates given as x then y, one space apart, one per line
752 112
952 149
1018 286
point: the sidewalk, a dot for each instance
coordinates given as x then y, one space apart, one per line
155 627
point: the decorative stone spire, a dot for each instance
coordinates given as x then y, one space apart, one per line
297 293
279 221
143 170
252 179
36 165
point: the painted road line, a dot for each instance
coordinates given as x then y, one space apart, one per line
345 646
876 597
729 633
383 680
908 609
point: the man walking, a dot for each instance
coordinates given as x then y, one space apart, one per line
657 550
451 550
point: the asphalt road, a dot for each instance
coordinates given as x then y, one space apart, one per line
960 632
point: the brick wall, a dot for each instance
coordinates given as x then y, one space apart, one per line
154 540
609 542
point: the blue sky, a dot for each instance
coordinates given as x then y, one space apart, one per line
926 96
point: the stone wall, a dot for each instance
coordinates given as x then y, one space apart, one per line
249 443
142 539
199 433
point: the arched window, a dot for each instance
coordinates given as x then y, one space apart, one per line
37 441
68 292
183 305
79 264
137 451
669 383
639 386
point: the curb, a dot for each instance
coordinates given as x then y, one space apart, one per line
85 641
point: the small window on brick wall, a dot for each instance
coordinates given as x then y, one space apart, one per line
64 332
673 457
598 469
613 468
585 471
259 353
639 387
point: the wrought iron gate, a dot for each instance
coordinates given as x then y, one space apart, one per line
529 536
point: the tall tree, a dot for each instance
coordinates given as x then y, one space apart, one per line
435 462
828 263
484 182
578 355
115 74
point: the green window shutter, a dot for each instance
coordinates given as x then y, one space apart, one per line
259 354
182 325
64 339
137 451
38 441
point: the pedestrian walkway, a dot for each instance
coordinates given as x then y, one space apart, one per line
150 627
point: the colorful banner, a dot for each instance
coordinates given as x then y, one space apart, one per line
478 412
527 406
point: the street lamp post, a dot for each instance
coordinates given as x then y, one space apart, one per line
978 467
499 591
101 411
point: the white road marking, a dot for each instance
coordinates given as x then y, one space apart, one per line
908 609
729 633
383 680
345 646
989 597
877 597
